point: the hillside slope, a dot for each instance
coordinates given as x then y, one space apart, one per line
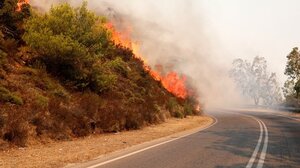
63 76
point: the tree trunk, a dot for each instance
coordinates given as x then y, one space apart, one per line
256 101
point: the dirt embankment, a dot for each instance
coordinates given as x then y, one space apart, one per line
59 154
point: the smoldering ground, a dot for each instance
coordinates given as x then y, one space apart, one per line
176 35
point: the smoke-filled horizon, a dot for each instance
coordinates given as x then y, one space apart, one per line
195 38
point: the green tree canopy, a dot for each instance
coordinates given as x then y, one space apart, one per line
293 64
292 70
69 40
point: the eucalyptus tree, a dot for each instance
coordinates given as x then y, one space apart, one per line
254 81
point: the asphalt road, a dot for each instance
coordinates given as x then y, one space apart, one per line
237 139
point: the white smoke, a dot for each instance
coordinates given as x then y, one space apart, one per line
173 33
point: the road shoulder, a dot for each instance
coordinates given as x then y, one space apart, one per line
60 154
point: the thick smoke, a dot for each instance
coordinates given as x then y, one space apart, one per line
175 34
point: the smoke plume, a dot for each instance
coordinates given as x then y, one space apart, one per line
175 34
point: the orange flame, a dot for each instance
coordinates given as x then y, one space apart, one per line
21 3
174 83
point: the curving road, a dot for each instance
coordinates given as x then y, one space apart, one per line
237 139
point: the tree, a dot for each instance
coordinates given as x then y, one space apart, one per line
254 80
70 41
271 92
292 70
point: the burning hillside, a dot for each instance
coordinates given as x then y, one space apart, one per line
171 81
69 79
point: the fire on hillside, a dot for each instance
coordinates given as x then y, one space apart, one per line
171 81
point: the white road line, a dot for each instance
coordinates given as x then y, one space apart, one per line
292 118
265 147
150 147
263 129
254 154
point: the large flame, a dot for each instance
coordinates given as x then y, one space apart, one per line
21 3
173 82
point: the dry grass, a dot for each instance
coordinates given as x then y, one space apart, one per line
59 154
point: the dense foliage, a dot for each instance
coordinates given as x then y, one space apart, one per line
71 42
292 85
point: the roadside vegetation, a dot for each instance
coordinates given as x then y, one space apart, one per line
62 77
256 82
291 88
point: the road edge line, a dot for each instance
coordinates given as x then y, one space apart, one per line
256 150
263 153
153 146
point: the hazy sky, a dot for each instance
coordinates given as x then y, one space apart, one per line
246 28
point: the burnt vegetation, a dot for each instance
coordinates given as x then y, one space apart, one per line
62 77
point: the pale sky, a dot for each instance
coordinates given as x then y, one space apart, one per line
246 28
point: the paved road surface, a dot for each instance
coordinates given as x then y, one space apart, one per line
237 139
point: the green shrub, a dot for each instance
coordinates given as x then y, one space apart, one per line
102 82
172 104
41 101
178 114
62 93
118 65
48 83
16 100
188 109
3 90
175 108
7 96
70 42
151 113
